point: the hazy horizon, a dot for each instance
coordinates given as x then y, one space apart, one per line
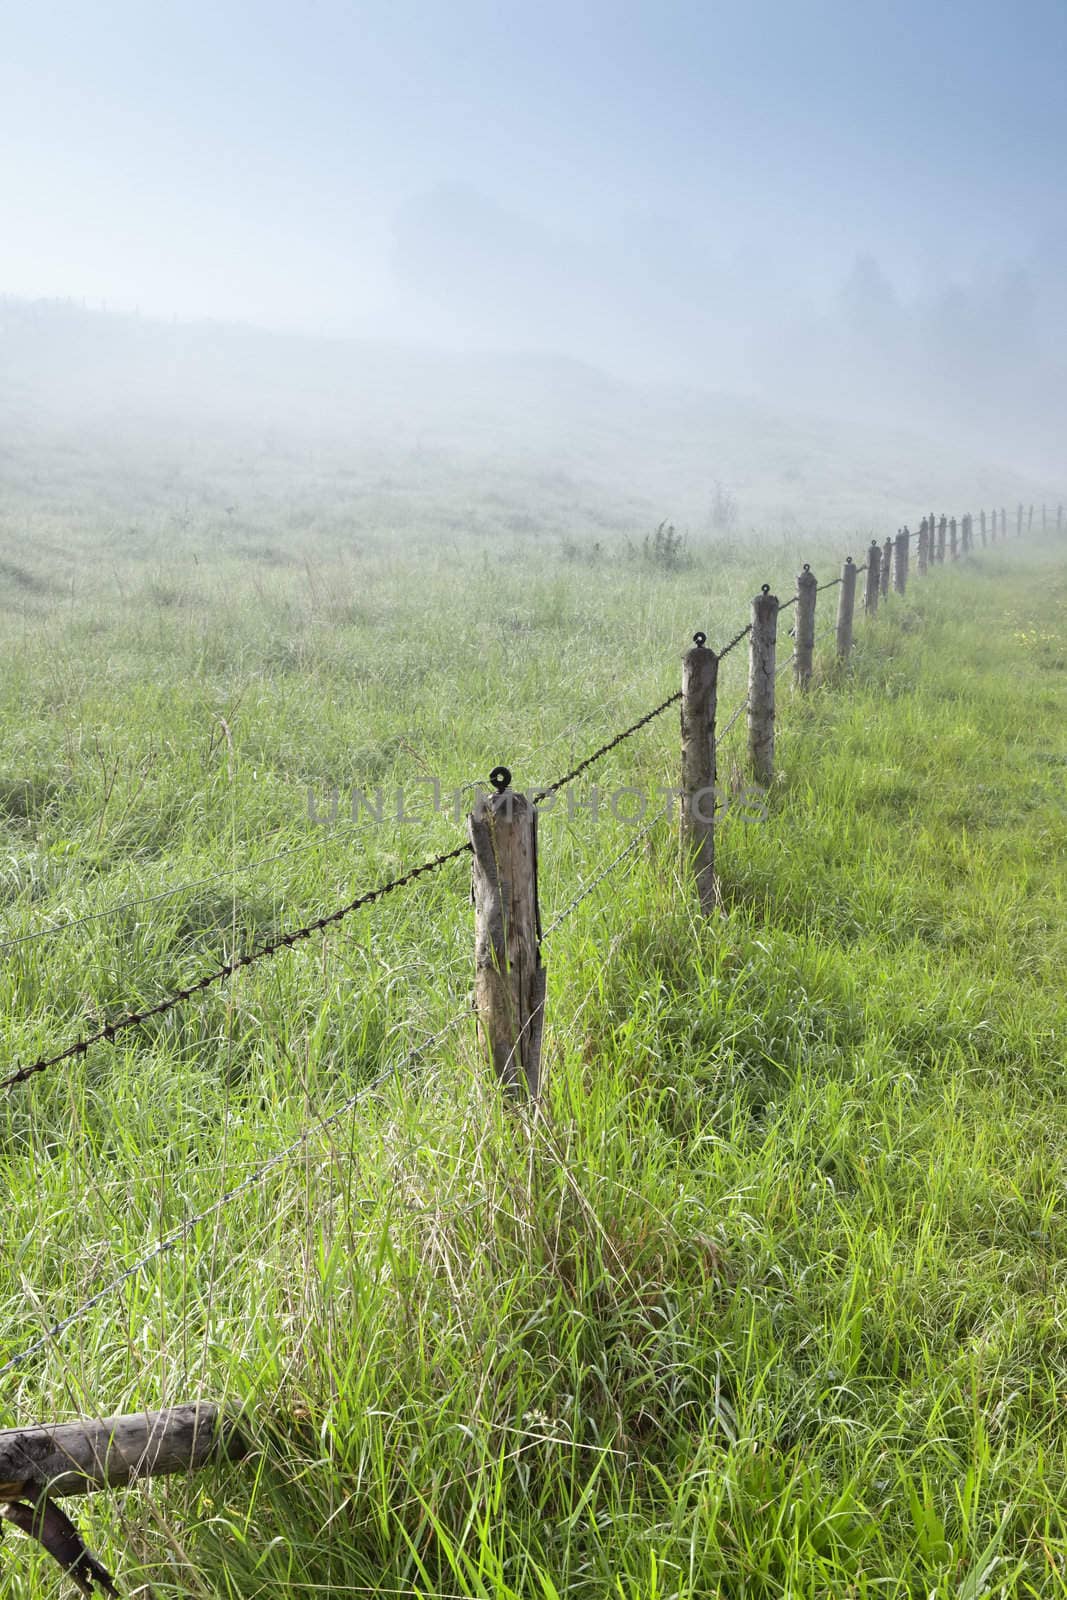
857 211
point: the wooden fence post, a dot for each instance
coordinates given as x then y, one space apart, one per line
1030 519
509 980
900 561
38 1463
1003 523
761 659
923 547
700 673
846 605
953 542
982 528
883 571
942 530
79 1457
804 638
992 527
873 586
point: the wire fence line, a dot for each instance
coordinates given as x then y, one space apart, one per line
136 1018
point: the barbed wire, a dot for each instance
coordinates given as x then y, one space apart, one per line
172 1239
226 969
793 598
831 583
736 640
569 777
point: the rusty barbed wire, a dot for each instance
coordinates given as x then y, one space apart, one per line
725 651
569 777
135 1019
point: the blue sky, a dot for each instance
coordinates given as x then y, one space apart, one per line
593 177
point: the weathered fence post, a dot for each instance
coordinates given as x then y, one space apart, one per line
872 588
982 528
883 571
38 1463
968 533
942 530
953 542
900 561
846 605
1030 520
804 639
1003 523
700 672
923 547
509 980
80 1457
761 659
992 527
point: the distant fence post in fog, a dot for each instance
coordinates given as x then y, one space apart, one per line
924 547
900 561
942 531
1030 519
846 606
804 653
1019 522
509 980
953 542
1059 519
761 659
883 571
873 586
1003 523
700 673
982 516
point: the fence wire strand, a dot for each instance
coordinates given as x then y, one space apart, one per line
176 1235
226 969
569 777
736 640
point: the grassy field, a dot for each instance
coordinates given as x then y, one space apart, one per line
771 1302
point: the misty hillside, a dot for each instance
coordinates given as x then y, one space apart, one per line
105 415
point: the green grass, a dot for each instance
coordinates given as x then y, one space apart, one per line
771 1302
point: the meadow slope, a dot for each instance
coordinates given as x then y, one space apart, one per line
770 1303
